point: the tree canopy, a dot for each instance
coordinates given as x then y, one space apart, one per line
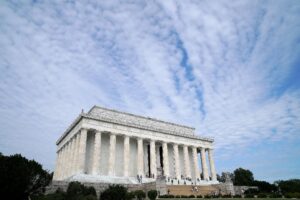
264 186
21 178
243 177
289 186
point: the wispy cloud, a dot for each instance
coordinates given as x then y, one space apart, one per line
230 70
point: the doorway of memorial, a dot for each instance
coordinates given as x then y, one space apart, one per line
149 163
160 166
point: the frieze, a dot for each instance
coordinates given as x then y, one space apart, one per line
134 123
131 120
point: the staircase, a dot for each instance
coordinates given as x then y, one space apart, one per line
161 185
192 190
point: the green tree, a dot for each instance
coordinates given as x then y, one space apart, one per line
264 186
289 186
114 192
152 194
21 178
243 177
130 195
77 191
140 194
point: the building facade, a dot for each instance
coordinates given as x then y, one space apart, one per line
112 146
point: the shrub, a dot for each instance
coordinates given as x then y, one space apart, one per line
226 196
275 196
192 196
90 197
261 195
199 196
237 196
207 196
177 196
130 195
249 196
114 192
140 194
184 196
75 190
55 196
152 194
167 196
292 195
89 191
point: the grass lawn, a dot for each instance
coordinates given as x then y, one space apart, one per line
224 198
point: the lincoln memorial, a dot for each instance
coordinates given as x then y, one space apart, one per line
105 145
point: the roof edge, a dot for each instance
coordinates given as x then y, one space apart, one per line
144 117
70 127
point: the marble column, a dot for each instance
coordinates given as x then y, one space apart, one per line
74 154
82 150
176 161
126 155
55 173
96 153
60 166
140 156
70 157
62 163
204 165
112 155
186 161
212 165
66 159
76 159
195 162
152 159
166 159
71 166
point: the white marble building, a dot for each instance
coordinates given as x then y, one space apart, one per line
106 145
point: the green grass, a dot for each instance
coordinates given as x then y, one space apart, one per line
223 198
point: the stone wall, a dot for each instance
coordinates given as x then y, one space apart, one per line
99 187
240 190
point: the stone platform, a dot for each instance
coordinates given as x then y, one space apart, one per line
88 178
163 186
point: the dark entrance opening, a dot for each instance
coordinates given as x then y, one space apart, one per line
161 157
148 149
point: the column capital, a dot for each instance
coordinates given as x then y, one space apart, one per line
195 147
84 129
98 131
113 133
175 144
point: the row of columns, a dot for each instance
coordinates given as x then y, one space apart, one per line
71 158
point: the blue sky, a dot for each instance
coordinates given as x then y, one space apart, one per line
229 69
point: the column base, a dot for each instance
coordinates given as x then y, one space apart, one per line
90 178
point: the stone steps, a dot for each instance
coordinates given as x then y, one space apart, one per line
191 190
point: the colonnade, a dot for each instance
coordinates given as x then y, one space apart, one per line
71 158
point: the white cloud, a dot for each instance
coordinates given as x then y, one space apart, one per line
56 59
